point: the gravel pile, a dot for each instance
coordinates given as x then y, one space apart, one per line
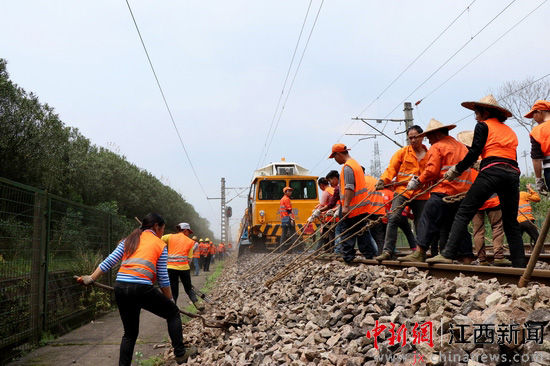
320 315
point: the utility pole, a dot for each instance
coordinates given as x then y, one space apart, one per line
408 115
376 170
225 210
524 155
223 215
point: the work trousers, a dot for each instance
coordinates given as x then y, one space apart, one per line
175 276
394 220
207 263
287 230
478 223
531 229
435 223
202 262
546 173
131 298
378 233
196 266
364 239
505 183
405 226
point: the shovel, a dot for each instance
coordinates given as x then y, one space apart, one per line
205 323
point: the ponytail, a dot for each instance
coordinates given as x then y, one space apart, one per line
131 242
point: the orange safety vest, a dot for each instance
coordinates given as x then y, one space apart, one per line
211 249
285 205
360 201
203 249
403 166
442 156
179 246
143 262
525 212
376 198
492 202
502 141
196 253
541 134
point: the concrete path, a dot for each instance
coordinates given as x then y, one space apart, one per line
97 343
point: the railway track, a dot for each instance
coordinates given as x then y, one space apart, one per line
543 257
502 274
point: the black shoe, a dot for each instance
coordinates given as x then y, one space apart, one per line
190 351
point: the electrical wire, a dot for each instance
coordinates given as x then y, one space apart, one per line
284 85
451 57
166 104
481 53
416 58
294 78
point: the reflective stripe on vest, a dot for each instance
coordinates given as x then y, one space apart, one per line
359 202
142 263
502 141
179 246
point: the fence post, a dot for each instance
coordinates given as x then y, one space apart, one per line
38 267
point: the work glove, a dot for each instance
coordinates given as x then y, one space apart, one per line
413 184
476 165
541 186
86 280
452 174
329 213
379 185
316 213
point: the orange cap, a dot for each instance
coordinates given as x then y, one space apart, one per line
540 105
287 188
336 148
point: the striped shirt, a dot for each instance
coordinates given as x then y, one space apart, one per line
116 256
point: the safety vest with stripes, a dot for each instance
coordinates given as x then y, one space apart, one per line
211 248
541 134
502 141
203 249
196 252
179 247
143 262
525 211
359 203
402 167
375 198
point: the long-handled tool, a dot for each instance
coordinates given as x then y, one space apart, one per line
205 323
201 294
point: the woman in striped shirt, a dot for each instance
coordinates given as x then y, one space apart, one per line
144 257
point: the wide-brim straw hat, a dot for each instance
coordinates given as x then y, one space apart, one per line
435 125
466 137
487 102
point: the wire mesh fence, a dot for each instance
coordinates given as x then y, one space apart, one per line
44 241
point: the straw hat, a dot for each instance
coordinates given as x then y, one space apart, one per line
487 102
435 125
466 137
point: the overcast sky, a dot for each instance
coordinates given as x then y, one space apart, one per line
222 65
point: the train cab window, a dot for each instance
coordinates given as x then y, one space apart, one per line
303 189
271 189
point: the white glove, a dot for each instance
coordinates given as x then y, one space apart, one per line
86 280
329 213
316 213
541 186
310 219
451 174
414 184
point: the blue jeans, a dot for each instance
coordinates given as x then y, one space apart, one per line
196 265
364 240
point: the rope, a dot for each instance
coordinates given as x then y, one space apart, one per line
455 198
291 266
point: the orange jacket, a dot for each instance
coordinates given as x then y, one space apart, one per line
501 141
359 202
403 166
525 212
179 246
375 200
541 134
143 262
211 248
492 202
286 205
442 156
203 249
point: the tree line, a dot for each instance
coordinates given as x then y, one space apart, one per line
38 149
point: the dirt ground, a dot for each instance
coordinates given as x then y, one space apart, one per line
97 343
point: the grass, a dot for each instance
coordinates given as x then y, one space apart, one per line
207 288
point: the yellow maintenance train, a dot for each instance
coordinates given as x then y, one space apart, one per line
261 223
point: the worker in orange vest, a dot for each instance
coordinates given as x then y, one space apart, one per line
525 213
209 254
222 250
540 143
180 250
287 216
354 198
144 256
196 256
437 216
403 224
499 173
376 209
203 250
405 164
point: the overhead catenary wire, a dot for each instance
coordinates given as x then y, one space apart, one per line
293 79
416 58
166 105
481 53
451 57
284 85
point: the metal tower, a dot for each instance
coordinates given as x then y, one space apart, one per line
223 215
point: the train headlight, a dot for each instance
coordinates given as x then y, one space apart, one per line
262 213
262 216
